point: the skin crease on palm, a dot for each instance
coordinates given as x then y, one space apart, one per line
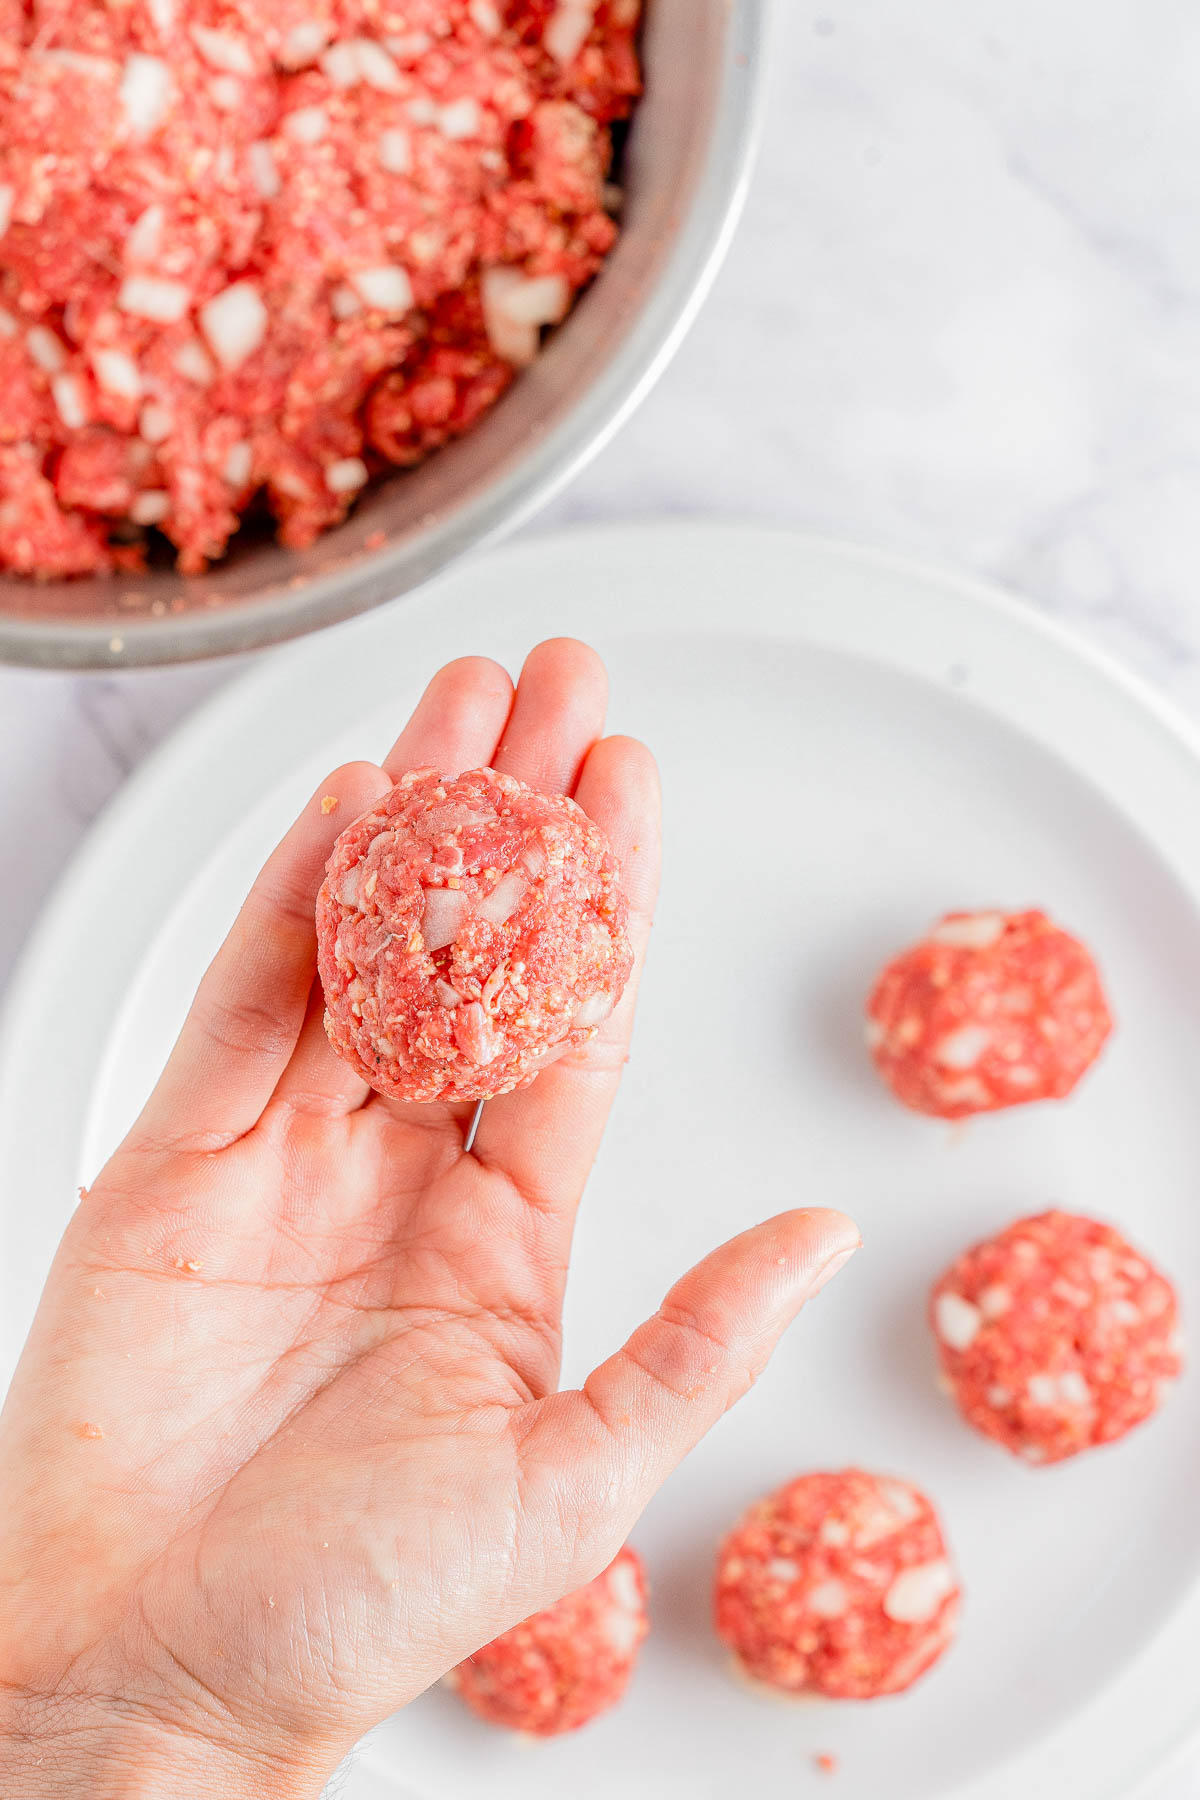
286 1441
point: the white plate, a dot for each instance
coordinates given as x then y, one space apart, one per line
850 745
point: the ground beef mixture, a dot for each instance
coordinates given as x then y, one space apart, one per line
1055 1336
561 1668
469 933
837 1584
990 1010
263 249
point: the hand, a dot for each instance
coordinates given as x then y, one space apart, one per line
285 1443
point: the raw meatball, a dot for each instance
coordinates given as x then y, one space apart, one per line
838 1585
564 1666
1055 1335
991 1010
469 932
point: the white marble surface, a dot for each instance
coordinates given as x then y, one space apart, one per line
962 318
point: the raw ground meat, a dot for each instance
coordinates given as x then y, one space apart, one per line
255 251
561 1668
469 932
990 1010
1055 1335
839 1585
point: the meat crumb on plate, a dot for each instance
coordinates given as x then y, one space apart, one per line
1055 1336
990 1010
251 256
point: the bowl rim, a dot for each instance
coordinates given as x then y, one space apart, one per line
540 471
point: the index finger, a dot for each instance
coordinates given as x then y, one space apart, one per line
244 1022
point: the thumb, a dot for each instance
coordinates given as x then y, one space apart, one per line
609 1446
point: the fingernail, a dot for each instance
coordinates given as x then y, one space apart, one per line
827 1271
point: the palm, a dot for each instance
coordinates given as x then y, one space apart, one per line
291 1392
394 1353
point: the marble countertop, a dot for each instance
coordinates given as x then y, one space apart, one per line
969 280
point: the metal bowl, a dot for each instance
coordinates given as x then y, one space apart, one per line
685 172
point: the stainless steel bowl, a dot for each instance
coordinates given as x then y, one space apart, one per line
687 164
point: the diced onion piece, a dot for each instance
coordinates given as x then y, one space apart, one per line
154 423
963 1048
235 323
918 1592
146 234
538 299
452 818
449 996
395 151
594 1010
346 475
340 64
504 898
970 931
474 1035
163 14
146 92
409 45
303 44
307 125
264 172
8 325
422 110
287 481
624 1587
154 297
515 305
223 50
95 68
69 401
516 343
150 507
828 1600
387 289
225 92
446 911
484 15
6 205
460 119
568 29
344 302
117 373
46 349
238 465
956 1321
194 363
376 66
